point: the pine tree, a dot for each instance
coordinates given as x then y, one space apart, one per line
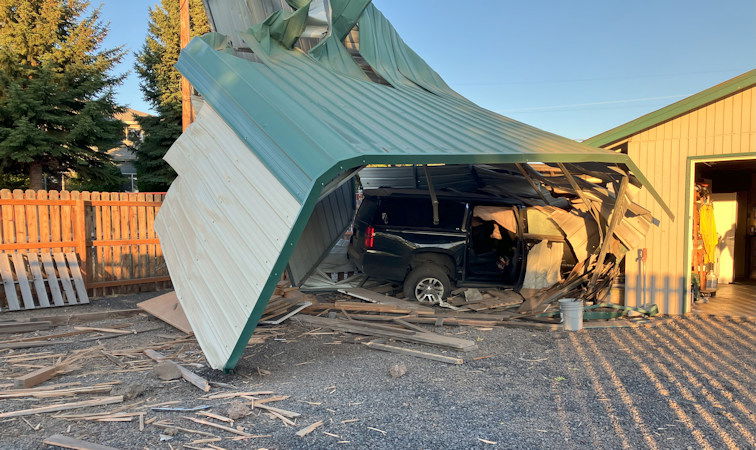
161 86
56 90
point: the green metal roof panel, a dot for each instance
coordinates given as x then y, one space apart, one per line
304 120
676 109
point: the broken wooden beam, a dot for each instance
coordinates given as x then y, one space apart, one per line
58 440
375 297
415 353
63 406
24 326
38 376
365 329
187 374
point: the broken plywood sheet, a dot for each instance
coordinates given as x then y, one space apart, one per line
544 262
167 308
503 216
580 230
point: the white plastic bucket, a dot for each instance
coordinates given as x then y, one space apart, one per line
572 313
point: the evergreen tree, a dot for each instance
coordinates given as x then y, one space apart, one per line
56 90
161 86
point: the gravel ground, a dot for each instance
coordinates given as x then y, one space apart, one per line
684 383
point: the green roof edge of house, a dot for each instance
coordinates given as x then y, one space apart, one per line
695 101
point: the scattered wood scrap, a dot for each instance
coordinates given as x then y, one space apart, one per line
187 374
309 429
58 440
24 326
38 376
63 406
367 329
415 353
374 297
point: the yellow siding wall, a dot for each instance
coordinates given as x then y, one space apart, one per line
724 127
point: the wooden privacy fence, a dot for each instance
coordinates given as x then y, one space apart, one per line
111 233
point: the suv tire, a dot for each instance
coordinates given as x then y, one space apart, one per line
430 279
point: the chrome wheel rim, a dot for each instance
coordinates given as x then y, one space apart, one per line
429 290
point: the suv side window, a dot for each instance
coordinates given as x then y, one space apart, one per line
418 213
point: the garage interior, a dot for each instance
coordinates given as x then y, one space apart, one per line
729 187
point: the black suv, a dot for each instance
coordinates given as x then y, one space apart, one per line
399 237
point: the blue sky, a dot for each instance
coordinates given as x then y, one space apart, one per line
574 68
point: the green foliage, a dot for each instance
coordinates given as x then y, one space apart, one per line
107 179
161 86
56 91
13 181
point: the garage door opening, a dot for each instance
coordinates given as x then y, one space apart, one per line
724 238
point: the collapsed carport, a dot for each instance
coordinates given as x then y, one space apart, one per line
265 173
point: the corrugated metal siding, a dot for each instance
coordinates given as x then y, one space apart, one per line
222 226
458 177
329 220
724 127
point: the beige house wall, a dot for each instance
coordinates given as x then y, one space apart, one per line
725 127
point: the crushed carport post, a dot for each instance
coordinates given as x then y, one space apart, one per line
265 173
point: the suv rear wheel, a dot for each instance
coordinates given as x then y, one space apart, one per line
428 283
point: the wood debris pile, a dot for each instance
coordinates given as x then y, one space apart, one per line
578 230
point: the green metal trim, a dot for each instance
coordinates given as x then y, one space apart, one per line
695 101
647 184
689 161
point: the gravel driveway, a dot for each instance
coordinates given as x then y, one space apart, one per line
684 383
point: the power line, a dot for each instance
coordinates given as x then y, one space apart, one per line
577 80
577 105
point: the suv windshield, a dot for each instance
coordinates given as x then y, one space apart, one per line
418 213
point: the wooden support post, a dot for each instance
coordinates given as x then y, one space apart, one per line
620 206
187 114
80 237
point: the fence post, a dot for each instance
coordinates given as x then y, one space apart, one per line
80 236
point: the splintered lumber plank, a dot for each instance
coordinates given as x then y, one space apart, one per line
65 278
63 406
411 326
167 308
415 353
38 376
24 327
23 280
218 426
367 330
58 440
8 284
309 429
104 330
283 412
369 307
78 279
52 279
61 319
39 280
375 297
17 345
187 374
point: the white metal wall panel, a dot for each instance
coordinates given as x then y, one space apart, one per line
222 227
724 127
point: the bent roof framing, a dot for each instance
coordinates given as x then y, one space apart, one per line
305 123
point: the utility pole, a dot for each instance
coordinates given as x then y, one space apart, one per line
187 114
